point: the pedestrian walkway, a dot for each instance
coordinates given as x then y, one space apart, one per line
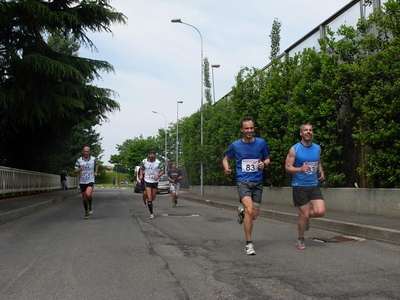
382 228
375 227
18 206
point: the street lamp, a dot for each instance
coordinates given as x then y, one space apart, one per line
212 69
177 125
201 107
165 129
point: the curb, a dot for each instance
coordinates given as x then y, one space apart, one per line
365 231
21 212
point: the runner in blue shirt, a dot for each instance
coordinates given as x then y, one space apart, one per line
252 157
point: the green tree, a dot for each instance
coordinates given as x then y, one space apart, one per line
190 135
45 92
377 90
133 151
207 82
275 39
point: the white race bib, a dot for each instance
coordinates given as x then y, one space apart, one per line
249 165
85 175
312 167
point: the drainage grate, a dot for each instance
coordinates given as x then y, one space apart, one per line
182 215
338 239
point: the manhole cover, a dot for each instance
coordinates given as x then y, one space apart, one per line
182 215
339 239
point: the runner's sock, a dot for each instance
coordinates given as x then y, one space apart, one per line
90 201
150 205
85 204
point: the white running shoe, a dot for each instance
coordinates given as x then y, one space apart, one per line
151 217
249 250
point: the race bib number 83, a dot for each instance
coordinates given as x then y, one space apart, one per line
250 165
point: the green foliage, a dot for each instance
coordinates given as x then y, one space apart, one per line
106 179
132 152
220 130
190 134
348 90
274 119
45 87
275 39
207 82
377 90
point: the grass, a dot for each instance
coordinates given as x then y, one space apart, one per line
106 180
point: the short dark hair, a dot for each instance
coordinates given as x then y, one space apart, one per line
151 151
246 119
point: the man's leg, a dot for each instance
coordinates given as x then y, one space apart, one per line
318 208
144 197
173 196
151 195
85 204
304 214
89 191
249 216
177 187
172 190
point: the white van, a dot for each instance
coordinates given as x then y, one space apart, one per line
137 187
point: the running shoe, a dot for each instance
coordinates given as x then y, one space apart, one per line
240 215
249 250
86 215
90 210
151 217
308 225
300 244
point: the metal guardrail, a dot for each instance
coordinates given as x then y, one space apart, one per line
17 181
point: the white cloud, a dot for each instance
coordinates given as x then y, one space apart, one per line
158 62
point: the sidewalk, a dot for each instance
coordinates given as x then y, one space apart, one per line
381 228
375 227
19 206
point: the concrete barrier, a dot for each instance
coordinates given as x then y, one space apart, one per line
385 202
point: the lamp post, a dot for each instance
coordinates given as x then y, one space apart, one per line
212 69
177 125
201 107
165 129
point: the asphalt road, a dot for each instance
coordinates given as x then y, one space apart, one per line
192 251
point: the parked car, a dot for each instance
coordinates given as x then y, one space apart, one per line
137 187
163 185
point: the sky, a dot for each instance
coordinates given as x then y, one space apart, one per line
158 63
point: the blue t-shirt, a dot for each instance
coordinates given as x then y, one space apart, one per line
247 157
311 155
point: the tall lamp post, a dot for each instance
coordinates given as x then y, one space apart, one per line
165 129
201 107
177 125
212 69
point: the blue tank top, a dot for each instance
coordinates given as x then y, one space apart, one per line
311 155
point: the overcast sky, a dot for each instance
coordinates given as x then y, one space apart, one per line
158 63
